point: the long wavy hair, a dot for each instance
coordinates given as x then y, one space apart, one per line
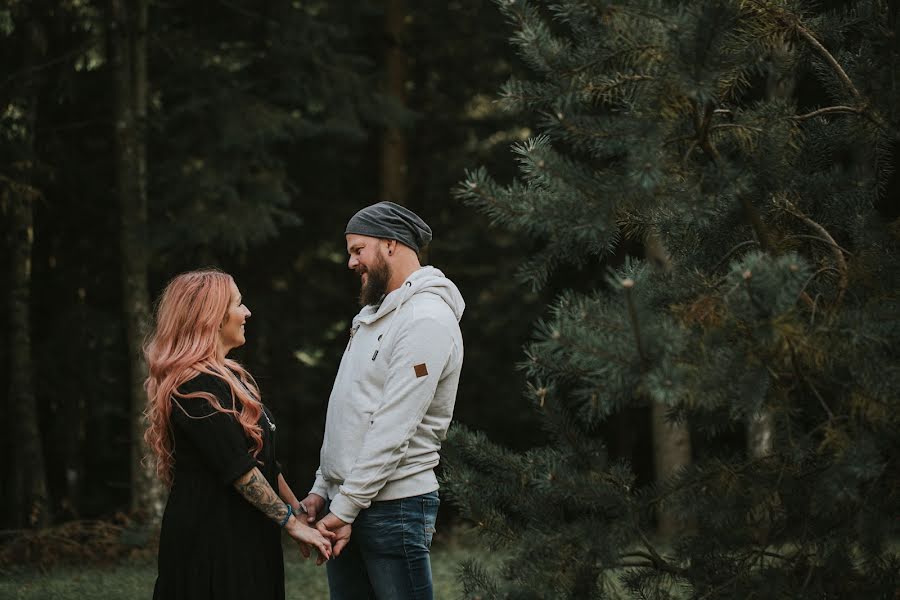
182 345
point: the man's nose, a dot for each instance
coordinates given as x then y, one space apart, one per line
351 264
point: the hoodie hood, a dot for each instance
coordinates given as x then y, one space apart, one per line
427 280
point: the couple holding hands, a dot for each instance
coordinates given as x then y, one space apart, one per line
371 512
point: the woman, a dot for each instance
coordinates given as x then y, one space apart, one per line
214 444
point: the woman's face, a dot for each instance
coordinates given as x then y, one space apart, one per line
231 334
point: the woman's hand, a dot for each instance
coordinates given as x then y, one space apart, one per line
308 537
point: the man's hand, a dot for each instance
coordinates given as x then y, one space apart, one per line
338 528
314 505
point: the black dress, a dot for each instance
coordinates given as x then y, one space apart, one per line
213 542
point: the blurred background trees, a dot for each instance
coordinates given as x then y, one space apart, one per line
143 138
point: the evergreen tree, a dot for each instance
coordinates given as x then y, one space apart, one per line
778 302
237 102
20 175
238 87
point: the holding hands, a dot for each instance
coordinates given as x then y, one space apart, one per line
330 524
308 536
336 531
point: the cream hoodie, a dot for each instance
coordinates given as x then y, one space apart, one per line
393 396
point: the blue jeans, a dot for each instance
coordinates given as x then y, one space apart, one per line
388 554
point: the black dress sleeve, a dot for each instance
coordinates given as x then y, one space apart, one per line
218 436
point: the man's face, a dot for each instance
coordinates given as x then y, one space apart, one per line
367 259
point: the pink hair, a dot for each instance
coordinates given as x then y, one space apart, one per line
183 345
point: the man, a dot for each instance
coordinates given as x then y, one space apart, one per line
388 413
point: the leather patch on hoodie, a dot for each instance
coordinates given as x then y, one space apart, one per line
421 370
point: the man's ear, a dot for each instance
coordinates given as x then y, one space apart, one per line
391 244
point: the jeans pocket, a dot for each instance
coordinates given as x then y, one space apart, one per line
430 505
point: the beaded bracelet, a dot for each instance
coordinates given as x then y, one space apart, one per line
288 515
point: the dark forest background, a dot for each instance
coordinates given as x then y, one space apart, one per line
264 127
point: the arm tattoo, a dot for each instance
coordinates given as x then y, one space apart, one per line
254 487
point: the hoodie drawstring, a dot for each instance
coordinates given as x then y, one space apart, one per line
408 285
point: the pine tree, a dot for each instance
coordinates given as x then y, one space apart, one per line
27 498
239 88
779 303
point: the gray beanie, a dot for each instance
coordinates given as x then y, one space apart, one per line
391 222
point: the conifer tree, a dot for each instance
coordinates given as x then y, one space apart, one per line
778 304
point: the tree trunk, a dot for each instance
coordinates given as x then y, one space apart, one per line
69 434
671 452
393 143
128 62
671 442
759 434
779 85
28 498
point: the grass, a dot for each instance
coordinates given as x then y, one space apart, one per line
129 580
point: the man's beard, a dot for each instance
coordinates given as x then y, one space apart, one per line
376 284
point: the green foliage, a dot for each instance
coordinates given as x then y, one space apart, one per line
237 85
125 579
751 143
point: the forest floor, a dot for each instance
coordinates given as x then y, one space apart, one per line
130 579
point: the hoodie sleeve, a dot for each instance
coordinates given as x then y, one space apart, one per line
319 488
421 351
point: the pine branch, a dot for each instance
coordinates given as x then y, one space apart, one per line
793 21
476 580
608 58
753 217
728 254
803 295
681 138
688 152
828 110
867 114
714 591
837 251
736 126
653 553
618 81
32 69
819 239
703 126
808 383
828 57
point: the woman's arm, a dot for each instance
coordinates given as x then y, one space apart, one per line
254 487
284 490
287 494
